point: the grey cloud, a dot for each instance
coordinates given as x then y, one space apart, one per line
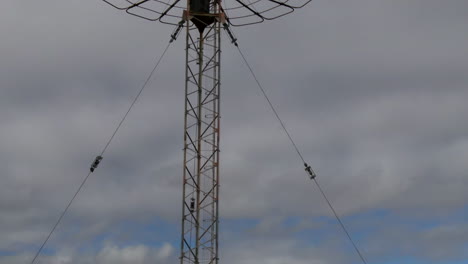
439 244
373 92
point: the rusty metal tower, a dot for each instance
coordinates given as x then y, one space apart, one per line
203 21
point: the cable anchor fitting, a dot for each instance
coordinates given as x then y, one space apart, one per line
177 31
233 39
310 171
95 163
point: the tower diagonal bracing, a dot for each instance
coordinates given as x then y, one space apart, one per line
199 241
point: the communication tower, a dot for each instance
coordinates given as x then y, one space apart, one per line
203 21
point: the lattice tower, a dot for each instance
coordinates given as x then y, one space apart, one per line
203 21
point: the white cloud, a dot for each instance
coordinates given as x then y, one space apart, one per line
113 254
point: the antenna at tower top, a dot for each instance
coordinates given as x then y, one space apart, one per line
237 12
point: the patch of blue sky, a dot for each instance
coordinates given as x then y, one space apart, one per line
291 222
373 219
412 260
359 225
369 214
312 238
308 235
239 223
399 260
153 233
463 213
237 227
49 251
95 243
426 223
7 253
156 232
28 248
18 248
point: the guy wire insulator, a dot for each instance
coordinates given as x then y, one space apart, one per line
177 31
233 39
95 163
309 170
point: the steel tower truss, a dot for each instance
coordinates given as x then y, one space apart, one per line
199 242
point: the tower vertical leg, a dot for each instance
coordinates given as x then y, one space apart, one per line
199 241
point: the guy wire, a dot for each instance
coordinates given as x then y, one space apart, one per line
102 153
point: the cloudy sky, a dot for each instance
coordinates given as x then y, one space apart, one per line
374 92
